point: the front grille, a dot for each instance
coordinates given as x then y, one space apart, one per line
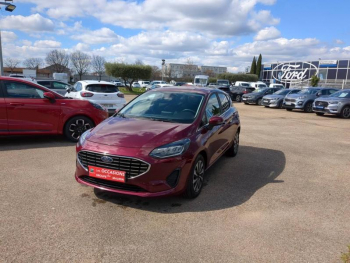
289 100
112 184
321 103
132 167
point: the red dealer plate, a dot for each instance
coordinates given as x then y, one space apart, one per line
107 174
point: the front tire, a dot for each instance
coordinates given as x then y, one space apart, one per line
308 107
259 102
196 178
233 150
319 113
289 109
238 98
76 126
345 112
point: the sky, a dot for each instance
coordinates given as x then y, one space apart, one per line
209 32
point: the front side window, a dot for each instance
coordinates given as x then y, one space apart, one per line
225 104
164 106
45 83
22 90
213 107
59 85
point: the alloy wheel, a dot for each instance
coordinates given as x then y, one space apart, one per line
198 176
238 98
78 128
346 112
308 107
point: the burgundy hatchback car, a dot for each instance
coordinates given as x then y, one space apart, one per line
160 143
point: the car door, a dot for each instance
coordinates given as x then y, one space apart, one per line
213 137
229 128
27 109
3 114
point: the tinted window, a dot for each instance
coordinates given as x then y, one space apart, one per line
294 91
102 88
324 92
59 85
45 83
21 90
343 63
269 91
341 74
332 73
225 104
164 106
213 107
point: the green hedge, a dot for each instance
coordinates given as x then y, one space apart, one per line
233 77
212 80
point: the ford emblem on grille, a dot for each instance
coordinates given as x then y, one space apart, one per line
106 159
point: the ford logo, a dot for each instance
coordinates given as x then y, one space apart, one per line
106 159
287 73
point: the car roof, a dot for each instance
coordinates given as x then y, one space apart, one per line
196 89
94 82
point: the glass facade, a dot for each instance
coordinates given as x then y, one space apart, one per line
329 71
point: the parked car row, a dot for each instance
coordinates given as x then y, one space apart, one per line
314 99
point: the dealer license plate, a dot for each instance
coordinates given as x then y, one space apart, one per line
288 103
108 105
107 174
244 98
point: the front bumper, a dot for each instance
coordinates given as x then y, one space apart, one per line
270 103
249 100
297 104
150 184
331 109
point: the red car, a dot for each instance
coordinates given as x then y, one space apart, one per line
160 143
28 108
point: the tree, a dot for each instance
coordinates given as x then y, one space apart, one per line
33 63
128 72
314 80
258 66
81 62
11 63
138 62
209 73
253 67
58 59
156 73
98 65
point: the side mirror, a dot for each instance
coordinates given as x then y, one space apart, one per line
49 96
215 121
318 94
68 89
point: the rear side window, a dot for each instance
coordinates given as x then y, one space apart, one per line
225 103
22 90
59 85
46 84
331 91
102 88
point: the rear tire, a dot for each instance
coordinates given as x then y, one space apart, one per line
238 98
196 178
308 107
280 105
246 103
259 102
345 112
289 109
319 113
76 126
233 150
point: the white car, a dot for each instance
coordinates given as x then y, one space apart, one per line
259 85
276 86
144 83
158 86
242 84
101 92
136 85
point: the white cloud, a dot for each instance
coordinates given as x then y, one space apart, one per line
32 23
226 17
100 36
268 33
8 36
47 44
339 41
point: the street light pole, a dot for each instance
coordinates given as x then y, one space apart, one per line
9 8
163 63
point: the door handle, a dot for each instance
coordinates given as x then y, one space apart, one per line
16 104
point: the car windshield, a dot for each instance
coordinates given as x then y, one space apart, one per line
222 82
258 90
282 92
308 91
341 94
165 106
102 88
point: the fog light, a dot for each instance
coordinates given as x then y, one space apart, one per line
300 102
173 178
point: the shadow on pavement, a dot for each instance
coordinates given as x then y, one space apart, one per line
230 182
11 143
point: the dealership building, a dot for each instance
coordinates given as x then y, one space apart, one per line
332 73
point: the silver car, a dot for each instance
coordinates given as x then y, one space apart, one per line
303 99
338 103
275 100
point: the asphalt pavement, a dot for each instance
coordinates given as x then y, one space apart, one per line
284 198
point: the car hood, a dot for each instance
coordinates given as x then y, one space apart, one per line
252 94
137 133
295 96
332 99
273 96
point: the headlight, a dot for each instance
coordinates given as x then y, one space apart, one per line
333 102
97 106
274 99
83 137
302 97
172 149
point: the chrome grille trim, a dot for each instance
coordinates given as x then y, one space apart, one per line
133 167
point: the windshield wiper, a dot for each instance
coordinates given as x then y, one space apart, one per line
159 119
121 115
